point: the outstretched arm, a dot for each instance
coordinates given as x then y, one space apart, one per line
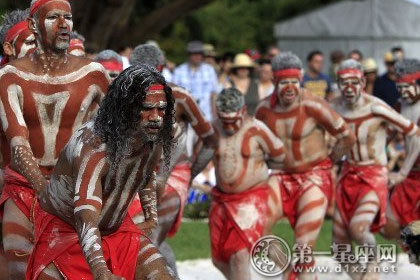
412 139
87 211
14 126
202 127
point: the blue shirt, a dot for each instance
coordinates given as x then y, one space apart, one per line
386 89
320 85
201 82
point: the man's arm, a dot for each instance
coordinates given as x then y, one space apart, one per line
412 138
334 124
87 211
272 146
148 197
202 127
14 126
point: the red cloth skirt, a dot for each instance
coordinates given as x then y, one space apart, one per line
236 221
57 242
17 188
405 199
294 185
354 183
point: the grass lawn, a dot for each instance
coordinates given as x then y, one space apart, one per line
192 240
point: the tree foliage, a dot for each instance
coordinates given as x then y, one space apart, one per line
230 25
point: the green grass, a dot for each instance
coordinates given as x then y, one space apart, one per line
192 240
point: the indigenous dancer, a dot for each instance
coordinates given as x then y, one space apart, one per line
77 46
404 206
86 230
44 98
239 209
302 189
410 239
362 189
175 181
15 38
111 61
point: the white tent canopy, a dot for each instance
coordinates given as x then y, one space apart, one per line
372 26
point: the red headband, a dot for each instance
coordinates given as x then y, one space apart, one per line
288 73
112 65
76 44
356 72
410 78
37 5
15 31
156 87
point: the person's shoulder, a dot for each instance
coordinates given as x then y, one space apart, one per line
86 63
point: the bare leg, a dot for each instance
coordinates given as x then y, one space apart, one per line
239 266
17 236
360 227
168 209
223 267
341 236
169 255
392 228
150 263
50 273
312 207
3 265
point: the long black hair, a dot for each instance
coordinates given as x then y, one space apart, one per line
119 114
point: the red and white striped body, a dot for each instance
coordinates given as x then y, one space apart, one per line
42 111
369 120
240 158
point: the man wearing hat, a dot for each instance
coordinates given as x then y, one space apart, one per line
198 77
384 87
370 69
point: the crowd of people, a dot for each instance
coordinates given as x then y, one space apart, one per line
98 155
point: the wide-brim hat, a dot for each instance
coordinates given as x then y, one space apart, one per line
369 65
195 47
242 60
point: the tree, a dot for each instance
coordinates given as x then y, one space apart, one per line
115 23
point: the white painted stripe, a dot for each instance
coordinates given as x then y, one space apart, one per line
4 122
152 258
13 92
85 207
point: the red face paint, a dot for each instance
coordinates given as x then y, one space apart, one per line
409 91
153 111
288 90
350 85
231 122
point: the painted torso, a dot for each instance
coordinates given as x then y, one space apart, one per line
300 129
240 158
49 108
369 121
73 188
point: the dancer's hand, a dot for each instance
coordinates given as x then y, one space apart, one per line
394 178
147 227
108 276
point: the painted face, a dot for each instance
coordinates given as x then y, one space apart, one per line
288 90
232 121
152 113
351 88
24 44
55 25
410 92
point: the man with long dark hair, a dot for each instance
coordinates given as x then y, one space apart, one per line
85 211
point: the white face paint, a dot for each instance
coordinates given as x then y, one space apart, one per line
28 45
351 88
288 90
410 92
58 25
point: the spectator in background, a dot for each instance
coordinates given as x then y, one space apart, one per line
224 64
199 78
356 55
272 51
241 79
314 80
125 55
398 53
385 87
265 79
336 57
210 55
370 69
